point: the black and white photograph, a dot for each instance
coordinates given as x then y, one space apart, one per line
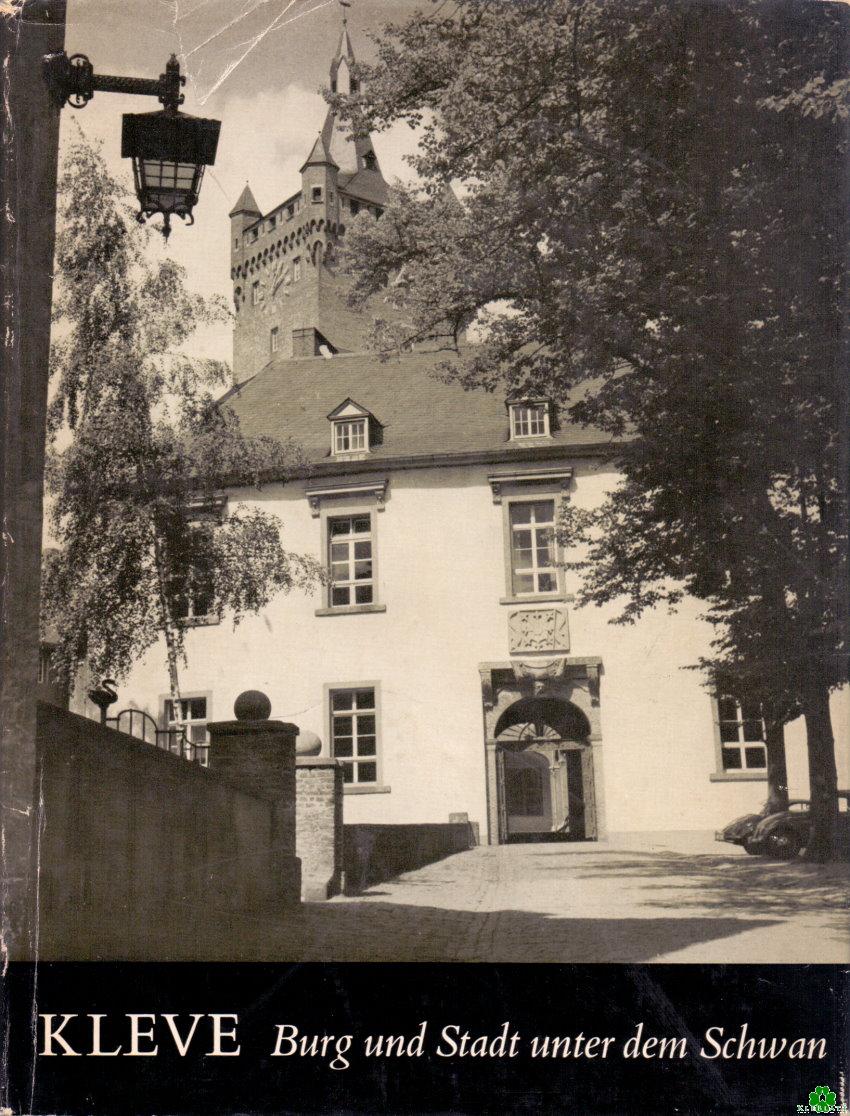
425 502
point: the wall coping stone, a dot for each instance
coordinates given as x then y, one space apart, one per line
317 761
246 728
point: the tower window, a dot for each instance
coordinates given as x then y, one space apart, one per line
275 339
317 194
370 160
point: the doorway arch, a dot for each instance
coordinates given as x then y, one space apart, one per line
544 771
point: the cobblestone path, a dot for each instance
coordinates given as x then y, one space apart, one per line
670 899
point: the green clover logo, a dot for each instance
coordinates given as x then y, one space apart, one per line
821 1099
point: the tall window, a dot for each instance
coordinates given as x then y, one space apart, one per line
533 557
354 734
529 420
350 558
193 596
355 207
255 292
317 193
350 436
190 715
275 339
296 269
741 734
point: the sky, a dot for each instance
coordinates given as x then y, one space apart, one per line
256 65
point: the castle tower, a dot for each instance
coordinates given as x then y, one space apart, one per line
289 298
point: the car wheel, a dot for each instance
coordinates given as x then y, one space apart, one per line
752 848
784 844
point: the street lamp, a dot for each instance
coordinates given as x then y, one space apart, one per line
169 149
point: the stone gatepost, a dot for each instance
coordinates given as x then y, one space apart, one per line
257 755
318 803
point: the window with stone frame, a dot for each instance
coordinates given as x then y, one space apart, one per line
189 714
742 738
529 420
274 339
354 734
296 269
350 560
533 552
255 292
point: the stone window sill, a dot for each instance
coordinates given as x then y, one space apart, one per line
365 788
738 777
548 598
350 610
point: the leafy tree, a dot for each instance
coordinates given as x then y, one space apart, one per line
653 232
149 450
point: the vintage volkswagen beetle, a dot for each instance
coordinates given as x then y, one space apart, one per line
739 831
786 833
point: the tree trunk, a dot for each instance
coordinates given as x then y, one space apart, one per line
823 777
167 625
777 771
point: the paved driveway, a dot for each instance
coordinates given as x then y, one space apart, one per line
643 899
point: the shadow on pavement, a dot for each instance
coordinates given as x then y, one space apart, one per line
378 931
724 883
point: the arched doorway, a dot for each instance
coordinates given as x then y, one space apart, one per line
544 772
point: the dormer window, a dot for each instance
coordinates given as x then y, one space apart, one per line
530 420
353 429
350 437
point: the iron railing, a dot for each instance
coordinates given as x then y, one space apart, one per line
137 723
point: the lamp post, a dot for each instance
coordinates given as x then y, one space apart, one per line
169 149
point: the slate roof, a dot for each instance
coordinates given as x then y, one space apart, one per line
367 185
246 203
421 417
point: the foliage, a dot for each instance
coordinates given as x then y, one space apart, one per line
133 491
653 229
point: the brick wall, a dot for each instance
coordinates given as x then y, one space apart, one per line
377 852
317 300
145 856
318 803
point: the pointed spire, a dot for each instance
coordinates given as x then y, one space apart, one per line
320 155
247 203
342 60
